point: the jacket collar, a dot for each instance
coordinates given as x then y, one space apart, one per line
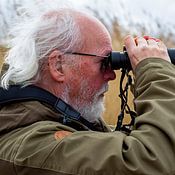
21 114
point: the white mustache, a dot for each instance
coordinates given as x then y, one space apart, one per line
103 89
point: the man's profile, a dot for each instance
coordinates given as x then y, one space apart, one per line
51 101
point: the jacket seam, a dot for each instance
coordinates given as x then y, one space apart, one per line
42 166
16 154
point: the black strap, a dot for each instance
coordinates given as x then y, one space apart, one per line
17 93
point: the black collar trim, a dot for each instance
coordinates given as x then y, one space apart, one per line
17 93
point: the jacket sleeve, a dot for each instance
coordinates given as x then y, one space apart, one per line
148 150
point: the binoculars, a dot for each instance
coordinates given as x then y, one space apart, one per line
120 60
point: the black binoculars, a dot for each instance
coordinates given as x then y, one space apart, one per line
120 60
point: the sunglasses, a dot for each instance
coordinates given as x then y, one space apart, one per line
105 64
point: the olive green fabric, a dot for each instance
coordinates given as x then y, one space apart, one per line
28 144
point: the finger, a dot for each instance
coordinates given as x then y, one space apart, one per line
129 43
131 46
161 45
146 37
152 42
149 37
141 42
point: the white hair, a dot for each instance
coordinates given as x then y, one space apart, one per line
33 39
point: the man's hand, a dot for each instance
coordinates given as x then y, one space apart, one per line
141 48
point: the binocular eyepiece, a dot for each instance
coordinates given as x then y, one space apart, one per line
120 60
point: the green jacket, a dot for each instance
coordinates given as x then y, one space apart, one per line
32 141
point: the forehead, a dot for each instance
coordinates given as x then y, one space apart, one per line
94 33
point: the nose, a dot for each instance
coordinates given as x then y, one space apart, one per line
109 75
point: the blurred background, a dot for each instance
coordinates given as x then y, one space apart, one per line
121 17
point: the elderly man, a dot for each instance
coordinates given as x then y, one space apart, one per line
52 122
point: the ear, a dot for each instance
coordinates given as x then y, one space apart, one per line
55 65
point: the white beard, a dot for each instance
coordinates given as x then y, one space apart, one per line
91 111
94 111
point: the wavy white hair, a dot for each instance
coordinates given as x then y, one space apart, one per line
33 39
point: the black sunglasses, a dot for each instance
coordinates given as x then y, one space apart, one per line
105 64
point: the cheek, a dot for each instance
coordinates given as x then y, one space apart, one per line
87 75
93 76
96 84
73 82
75 85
